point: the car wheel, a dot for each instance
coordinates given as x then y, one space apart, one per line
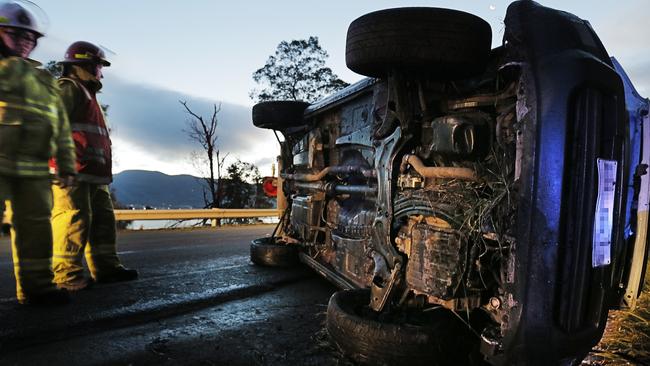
435 338
443 43
266 252
279 115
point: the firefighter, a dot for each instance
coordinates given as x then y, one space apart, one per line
83 220
33 128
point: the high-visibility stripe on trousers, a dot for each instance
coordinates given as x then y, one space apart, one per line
31 236
83 221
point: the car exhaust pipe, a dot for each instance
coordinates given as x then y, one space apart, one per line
435 171
344 169
333 188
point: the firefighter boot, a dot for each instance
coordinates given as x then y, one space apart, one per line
118 275
51 298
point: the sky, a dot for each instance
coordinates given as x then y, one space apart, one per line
205 51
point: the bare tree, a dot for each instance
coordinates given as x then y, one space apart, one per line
204 132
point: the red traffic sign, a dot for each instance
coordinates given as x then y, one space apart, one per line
270 186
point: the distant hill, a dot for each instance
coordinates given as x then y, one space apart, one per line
149 188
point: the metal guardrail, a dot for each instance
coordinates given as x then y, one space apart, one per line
215 213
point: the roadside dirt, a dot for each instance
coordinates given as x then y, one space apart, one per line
627 335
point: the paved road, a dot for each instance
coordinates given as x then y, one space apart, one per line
199 301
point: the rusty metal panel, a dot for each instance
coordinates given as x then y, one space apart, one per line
351 259
305 215
437 260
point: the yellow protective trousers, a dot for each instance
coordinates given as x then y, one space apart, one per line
31 234
83 220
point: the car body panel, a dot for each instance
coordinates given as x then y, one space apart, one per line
638 190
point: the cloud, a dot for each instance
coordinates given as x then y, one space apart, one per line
148 122
625 32
639 73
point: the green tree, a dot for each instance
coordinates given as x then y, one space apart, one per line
54 68
243 189
240 188
297 71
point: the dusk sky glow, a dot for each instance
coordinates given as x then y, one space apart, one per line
205 51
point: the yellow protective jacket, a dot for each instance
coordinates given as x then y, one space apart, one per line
33 124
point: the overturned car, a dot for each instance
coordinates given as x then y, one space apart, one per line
476 204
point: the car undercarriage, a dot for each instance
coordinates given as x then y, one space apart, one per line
464 187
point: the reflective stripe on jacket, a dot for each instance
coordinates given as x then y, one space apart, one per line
33 124
88 125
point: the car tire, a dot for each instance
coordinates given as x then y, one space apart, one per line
279 115
441 43
367 340
266 252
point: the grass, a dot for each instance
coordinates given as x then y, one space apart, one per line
627 335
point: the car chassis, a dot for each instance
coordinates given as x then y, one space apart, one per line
502 193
